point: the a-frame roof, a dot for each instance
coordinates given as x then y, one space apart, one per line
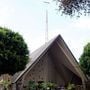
36 55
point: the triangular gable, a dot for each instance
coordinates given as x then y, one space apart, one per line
35 57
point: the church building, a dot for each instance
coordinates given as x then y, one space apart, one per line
52 62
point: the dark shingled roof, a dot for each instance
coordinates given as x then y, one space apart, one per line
35 56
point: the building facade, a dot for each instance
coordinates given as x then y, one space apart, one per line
52 62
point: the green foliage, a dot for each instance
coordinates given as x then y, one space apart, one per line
41 85
5 84
70 86
31 85
72 7
85 60
13 52
44 85
51 85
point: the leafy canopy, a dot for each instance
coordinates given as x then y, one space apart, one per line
85 60
71 7
14 53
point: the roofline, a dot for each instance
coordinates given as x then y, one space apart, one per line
32 65
43 53
73 58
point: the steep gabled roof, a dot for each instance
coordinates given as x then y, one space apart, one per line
33 58
36 55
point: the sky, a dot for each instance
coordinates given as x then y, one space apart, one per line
28 17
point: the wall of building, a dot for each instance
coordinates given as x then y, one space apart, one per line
44 70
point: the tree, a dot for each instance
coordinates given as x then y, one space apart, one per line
71 7
14 53
85 60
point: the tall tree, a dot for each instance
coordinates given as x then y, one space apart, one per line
14 53
85 60
72 7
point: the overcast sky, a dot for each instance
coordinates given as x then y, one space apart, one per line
28 18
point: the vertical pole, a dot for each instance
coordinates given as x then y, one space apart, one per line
46 33
46 30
